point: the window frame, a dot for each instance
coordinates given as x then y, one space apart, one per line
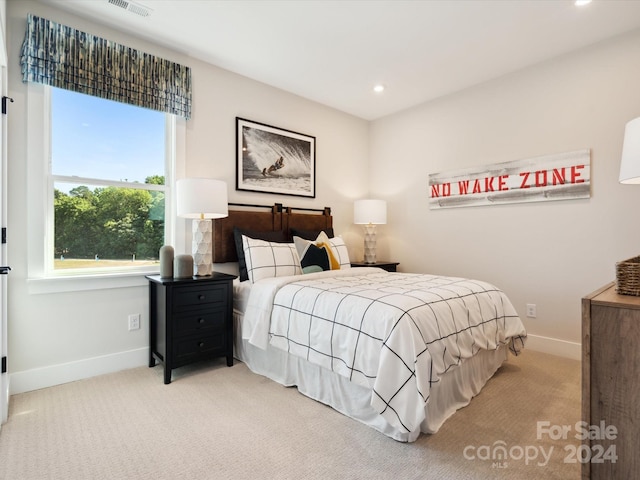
42 277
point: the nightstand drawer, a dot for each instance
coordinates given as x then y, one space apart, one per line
199 321
188 297
186 349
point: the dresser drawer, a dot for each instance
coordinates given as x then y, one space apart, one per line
199 321
189 297
186 349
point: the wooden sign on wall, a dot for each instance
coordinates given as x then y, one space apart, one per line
563 176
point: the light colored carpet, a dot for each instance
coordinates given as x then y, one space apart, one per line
216 422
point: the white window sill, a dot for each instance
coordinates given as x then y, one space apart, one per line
78 283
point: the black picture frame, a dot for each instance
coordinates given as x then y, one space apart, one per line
258 148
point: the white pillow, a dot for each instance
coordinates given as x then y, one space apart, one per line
269 259
340 251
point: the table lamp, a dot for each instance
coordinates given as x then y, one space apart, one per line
370 213
202 199
630 163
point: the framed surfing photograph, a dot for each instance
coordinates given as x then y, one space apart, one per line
274 160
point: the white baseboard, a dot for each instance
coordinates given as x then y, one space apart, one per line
553 346
44 377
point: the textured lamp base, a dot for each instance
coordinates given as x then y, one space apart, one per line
202 240
370 243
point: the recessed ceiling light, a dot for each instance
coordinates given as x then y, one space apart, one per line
582 3
378 88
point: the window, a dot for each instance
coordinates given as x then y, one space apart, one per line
108 177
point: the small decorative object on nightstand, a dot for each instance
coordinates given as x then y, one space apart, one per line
166 255
388 266
189 320
183 266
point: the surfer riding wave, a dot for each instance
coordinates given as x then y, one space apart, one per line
278 164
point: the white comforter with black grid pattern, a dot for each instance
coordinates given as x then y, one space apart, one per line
396 333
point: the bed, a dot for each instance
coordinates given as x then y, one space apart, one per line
399 352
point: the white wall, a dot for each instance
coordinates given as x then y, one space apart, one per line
550 254
65 336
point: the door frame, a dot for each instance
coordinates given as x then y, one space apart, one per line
4 377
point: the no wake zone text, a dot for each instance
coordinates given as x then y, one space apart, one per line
502 183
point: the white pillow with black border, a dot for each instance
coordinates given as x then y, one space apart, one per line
269 259
338 248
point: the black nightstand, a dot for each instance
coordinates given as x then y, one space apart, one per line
388 266
189 320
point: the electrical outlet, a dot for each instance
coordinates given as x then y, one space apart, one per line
134 321
531 310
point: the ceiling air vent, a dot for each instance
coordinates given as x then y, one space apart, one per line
131 7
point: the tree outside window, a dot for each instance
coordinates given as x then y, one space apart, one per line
108 178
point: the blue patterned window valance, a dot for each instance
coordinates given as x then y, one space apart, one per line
64 57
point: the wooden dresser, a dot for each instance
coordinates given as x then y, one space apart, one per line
611 384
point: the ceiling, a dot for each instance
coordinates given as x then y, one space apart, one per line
335 51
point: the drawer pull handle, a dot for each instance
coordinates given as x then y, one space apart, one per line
201 297
201 320
201 344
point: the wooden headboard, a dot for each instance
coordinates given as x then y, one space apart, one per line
263 218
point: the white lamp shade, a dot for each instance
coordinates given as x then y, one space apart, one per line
370 211
201 198
630 164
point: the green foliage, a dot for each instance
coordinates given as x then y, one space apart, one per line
155 180
111 222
